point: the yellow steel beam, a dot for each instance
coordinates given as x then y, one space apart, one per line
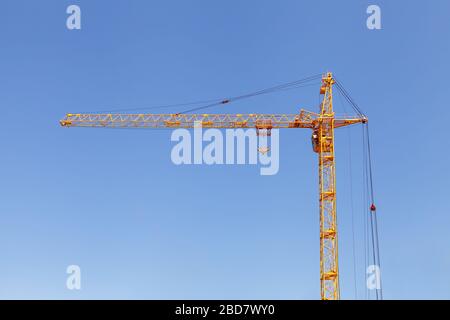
304 119
329 268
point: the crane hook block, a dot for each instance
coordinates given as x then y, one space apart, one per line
373 208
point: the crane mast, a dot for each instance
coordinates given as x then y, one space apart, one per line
329 267
322 125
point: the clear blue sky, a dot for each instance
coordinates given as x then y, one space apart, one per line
113 203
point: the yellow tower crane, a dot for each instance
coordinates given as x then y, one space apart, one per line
322 125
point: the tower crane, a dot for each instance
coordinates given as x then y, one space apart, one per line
322 125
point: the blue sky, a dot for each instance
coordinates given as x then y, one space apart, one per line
112 201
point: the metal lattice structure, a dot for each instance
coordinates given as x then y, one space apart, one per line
322 125
304 119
